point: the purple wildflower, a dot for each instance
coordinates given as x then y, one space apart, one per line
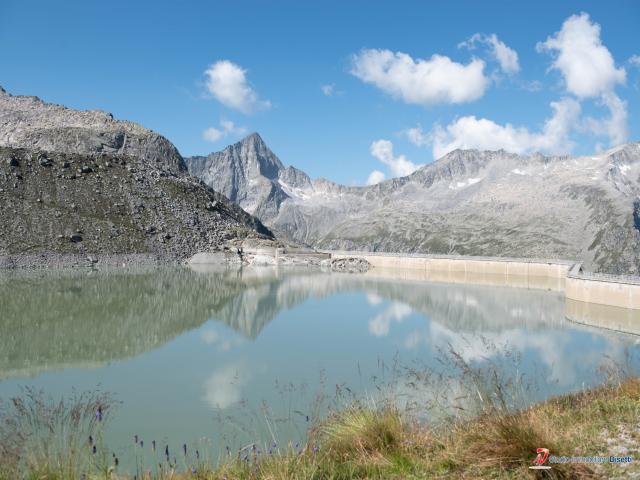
94 450
135 439
99 414
184 449
141 443
90 440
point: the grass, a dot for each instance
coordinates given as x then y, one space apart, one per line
373 443
492 433
45 439
383 444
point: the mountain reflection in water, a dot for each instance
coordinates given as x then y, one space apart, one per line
53 320
179 346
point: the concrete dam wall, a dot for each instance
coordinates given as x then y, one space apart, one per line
613 290
606 301
526 273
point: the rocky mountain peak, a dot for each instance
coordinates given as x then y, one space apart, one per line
254 138
247 172
624 154
252 154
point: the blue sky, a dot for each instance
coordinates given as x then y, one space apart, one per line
574 85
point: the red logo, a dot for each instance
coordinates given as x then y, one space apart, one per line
541 458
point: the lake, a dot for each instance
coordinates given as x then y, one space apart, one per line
243 355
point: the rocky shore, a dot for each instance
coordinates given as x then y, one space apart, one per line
57 260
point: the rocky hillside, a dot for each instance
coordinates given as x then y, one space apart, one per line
468 202
28 122
80 182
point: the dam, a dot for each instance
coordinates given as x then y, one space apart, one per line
595 299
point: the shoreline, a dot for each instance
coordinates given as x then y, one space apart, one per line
53 260
607 301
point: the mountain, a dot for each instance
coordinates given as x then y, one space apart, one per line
468 202
249 174
28 122
79 182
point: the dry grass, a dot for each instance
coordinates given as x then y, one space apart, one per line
363 443
503 444
49 439
382 443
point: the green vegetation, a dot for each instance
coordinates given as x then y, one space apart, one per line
56 442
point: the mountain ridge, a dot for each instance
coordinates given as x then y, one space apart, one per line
30 122
472 202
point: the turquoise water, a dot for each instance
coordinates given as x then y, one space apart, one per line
247 355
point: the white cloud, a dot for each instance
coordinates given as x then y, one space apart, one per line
615 127
484 134
330 90
418 137
532 86
635 60
221 342
379 325
210 336
399 166
506 57
421 82
586 64
213 134
375 177
224 387
589 71
327 90
374 299
227 82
